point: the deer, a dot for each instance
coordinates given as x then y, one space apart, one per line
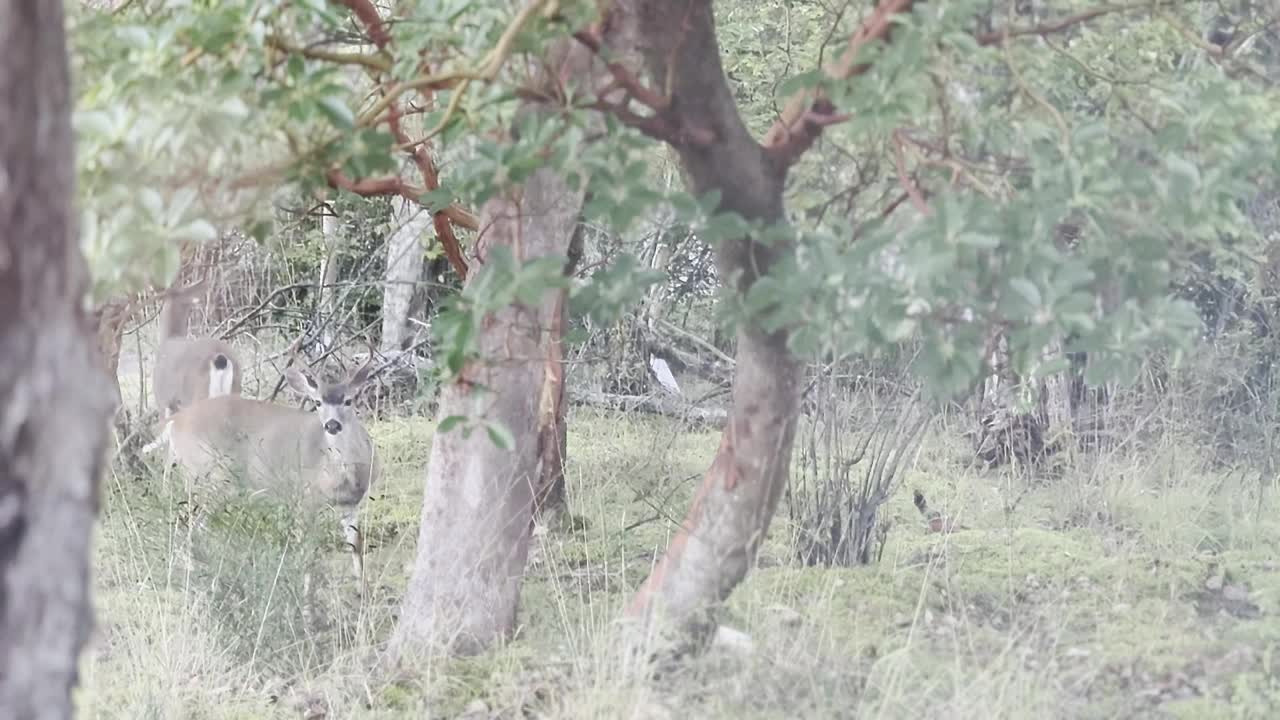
190 369
327 453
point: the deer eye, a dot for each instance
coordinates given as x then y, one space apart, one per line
347 401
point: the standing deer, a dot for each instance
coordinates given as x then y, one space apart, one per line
327 452
190 369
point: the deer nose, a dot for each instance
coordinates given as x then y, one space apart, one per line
333 427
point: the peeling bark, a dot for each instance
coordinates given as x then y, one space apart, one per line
464 590
551 497
730 515
54 398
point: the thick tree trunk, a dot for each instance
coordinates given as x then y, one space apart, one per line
403 273
477 513
478 507
551 497
55 402
730 515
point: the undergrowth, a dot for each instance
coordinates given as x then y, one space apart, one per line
1138 584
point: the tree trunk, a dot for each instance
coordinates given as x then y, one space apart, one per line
404 272
54 397
110 318
717 543
330 229
731 512
476 516
551 498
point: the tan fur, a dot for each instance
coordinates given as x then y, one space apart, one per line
182 367
273 447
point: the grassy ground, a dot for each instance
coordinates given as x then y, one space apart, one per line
1135 586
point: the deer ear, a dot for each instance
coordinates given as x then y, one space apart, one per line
303 383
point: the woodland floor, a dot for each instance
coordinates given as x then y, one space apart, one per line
1134 587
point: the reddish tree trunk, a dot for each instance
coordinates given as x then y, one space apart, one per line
730 516
552 497
54 403
464 590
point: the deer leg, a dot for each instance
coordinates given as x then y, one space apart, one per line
351 530
308 611
161 439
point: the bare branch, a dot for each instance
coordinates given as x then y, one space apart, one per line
904 178
376 62
807 112
662 124
999 37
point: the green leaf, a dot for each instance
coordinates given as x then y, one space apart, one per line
500 435
1184 168
337 112
197 231
1027 290
261 230
982 241
450 423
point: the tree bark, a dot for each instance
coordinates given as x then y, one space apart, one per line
330 229
110 318
54 401
718 540
464 590
551 497
731 512
403 273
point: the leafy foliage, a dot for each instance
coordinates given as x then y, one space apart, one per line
1068 180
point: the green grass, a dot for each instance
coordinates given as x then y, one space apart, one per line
1143 585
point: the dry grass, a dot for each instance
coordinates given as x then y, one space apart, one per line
1138 584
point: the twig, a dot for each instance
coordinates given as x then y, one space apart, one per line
662 124
697 340
807 112
904 178
1000 37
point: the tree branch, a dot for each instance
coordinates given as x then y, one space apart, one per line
395 185
999 37
662 125
904 178
377 62
368 16
808 112
441 220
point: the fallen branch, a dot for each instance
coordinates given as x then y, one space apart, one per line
999 37
650 404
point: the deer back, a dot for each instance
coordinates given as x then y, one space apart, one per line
190 369
328 451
